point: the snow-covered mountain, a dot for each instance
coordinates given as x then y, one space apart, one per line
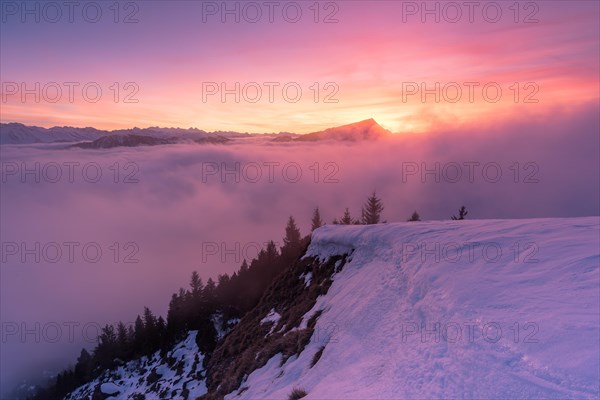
15 133
419 310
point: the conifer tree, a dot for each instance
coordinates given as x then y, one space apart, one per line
271 252
346 219
292 234
462 213
196 284
316 220
209 291
243 267
371 212
138 334
84 365
414 217
122 339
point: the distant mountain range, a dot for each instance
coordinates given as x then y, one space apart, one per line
91 138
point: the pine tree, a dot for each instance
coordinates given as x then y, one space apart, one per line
316 220
371 212
138 334
222 281
271 252
122 340
292 246
243 267
414 217
149 321
209 292
130 334
104 352
462 213
292 234
151 335
161 327
196 284
83 367
346 219
108 335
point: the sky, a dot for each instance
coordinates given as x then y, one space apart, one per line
298 66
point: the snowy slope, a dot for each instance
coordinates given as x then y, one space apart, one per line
179 375
514 316
488 309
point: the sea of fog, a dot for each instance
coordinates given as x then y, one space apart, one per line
90 237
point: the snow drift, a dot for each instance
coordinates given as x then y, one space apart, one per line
456 309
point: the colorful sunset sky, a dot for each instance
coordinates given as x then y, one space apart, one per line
364 57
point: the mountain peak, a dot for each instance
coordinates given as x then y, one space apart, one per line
367 129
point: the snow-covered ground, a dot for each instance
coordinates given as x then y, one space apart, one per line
179 376
487 309
451 309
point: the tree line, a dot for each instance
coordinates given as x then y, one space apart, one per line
195 307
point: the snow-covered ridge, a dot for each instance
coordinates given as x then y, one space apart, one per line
447 309
180 375
408 318
15 133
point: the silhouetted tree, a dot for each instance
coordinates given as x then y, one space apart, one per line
138 335
196 284
123 346
292 234
462 213
105 350
151 335
292 245
243 267
346 219
316 220
271 254
371 212
83 368
414 217
209 291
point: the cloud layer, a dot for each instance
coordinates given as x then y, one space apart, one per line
169 206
